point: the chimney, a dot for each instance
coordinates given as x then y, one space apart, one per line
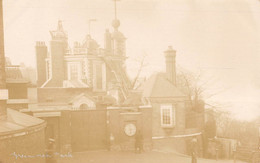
41 55
3 90
170 64
58 48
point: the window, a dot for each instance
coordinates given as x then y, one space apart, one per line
99 76
167 115
73 71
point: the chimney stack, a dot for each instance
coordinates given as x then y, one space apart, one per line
170 55
41 55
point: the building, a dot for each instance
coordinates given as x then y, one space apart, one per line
73 83
96 71
17 87
169 108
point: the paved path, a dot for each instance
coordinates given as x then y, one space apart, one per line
130 157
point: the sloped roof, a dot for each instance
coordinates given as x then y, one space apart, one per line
158 86
82 95
18 121
77 84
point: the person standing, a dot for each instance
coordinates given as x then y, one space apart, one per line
50 152
194 144
138 142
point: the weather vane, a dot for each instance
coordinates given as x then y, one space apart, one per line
115 8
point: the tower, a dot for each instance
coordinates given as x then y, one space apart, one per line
118 38
170 55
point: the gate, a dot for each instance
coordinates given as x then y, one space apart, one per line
88 130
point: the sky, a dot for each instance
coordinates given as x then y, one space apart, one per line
220 38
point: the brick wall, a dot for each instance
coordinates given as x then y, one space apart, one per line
179 126
118 118
31 144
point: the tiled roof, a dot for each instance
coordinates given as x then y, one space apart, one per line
158 86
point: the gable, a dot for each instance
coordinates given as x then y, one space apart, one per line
83 101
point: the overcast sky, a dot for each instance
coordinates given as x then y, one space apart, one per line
221 38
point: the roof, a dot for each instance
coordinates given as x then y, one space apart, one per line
18 121
158 86
82 95
60 95
133 99
14 74
76 84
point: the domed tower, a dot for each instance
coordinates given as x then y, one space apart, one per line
118 40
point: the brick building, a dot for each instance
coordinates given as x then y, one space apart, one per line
169 108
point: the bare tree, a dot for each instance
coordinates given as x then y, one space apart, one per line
197 87
142 64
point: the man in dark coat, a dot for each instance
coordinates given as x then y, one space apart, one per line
194 145
50 152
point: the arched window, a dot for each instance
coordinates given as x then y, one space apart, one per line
83 107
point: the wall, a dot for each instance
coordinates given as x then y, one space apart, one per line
52 130
178 128
59 95
30 144
17 90
119 117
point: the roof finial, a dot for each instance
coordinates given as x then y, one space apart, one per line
116 22
115 8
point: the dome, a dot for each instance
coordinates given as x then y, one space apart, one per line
116 23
